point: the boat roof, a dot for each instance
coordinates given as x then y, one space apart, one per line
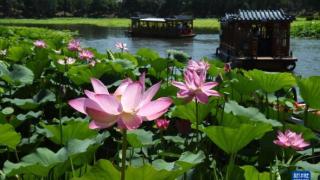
156 19
153 19
257 15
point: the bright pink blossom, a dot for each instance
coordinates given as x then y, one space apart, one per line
162 124
198 66
195 87
121 46
86 55
40 44
290 139
74 45
129 106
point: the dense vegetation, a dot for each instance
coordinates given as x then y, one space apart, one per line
231 131
124 8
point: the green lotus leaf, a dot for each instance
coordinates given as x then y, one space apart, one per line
251 113
231 140
310 91
42 97
17 75
126 56
148 54
188 111
159 64
120 66
81 74
71 130
160 170
271 82
308 166
25 104
18 53
251 172
38 163
8 136
7 111
250 85
178 55
39 62
103 169
140 138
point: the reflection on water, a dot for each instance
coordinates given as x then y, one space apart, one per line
306 50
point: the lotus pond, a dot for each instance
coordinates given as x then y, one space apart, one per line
69 112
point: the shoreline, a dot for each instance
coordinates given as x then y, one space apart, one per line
299 28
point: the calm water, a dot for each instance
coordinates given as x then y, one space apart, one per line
204 44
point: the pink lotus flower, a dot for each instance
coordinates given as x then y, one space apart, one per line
195 87
291 139
198 66
74 45
86 55
40 44
162 124
121 46
129 106
67 60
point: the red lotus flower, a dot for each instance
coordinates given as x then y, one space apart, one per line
162 124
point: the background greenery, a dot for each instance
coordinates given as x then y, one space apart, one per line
125 8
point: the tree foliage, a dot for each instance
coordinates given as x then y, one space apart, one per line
125 8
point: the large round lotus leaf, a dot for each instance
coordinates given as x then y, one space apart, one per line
231 140
270 82
251 172
38 163
8 136
310 91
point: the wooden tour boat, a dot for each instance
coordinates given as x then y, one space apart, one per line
173 27
257 39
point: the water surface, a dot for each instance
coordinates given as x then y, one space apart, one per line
203 45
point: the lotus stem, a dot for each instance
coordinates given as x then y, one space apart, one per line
267 106
72 168
167 73
124 153
197 123
306 115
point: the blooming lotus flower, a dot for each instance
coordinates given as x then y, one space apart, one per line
86 55
195 87
198 66
39 44
129 106
74 45
162 124
290 139
67 61
121 46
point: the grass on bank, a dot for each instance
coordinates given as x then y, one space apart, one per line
300 27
